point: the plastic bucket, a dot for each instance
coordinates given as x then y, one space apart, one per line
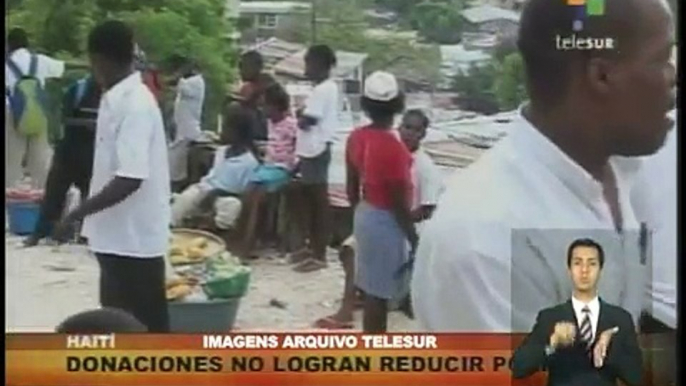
22 216
203 317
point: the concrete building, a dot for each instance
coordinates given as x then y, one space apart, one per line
267 18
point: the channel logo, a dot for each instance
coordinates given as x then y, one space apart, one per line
584 9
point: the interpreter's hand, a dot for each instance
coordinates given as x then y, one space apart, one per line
601 346
563 335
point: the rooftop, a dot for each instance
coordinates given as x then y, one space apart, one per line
294 65
486 13
275 7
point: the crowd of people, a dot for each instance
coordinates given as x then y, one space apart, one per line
486 256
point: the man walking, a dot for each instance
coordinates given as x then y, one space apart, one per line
128 213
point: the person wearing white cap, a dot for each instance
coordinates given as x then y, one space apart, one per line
379 186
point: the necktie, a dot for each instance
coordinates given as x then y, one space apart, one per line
586 332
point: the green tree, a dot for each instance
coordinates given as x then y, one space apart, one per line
439 21
509 86
498 83
195 28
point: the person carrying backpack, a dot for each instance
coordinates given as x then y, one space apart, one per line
26 130
72 162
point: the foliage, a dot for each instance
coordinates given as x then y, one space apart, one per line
500 83
509 86
342 25
195 28
439 21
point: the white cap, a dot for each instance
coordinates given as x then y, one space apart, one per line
381 86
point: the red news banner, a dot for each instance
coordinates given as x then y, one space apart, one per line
262 359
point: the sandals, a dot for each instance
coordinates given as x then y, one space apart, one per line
331 323
310 265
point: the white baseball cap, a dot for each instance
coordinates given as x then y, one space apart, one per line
381 86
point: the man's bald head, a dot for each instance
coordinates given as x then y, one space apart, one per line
611 89
544 25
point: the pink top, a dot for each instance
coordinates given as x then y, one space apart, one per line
281 144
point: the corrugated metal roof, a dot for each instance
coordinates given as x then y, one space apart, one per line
485 13
294 65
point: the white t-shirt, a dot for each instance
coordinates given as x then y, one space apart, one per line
323 105
426 178
131 143
655 200
190 95
493 255
46 68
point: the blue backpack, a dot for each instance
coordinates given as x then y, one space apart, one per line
28 101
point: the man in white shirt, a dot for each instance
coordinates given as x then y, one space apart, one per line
583 341
655 199
488 260
127 215
190 95
36 150
318 123
428 185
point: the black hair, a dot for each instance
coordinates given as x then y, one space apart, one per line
419 114
112 40
323 55
379 111
101 321
241 121
17 38
276 95
590 243
545 22
253 57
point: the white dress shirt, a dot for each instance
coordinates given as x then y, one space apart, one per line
131 143
323 105
494 253
594 314
655 200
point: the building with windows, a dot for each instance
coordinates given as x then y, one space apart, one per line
264 19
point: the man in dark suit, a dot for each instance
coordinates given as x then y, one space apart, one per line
585 341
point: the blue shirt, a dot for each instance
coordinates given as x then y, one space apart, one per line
231 175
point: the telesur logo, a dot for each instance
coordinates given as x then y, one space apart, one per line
583 9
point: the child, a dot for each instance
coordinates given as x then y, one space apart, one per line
379 186
427 182
280 158
223 186
101 321
318 122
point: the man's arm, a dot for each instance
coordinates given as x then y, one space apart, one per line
112 194
624 357
531 355
423 213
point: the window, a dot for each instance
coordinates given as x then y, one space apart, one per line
266 20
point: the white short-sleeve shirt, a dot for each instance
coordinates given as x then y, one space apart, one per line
655 200
131 143
190 96
494 253
323 105
47 67
427 180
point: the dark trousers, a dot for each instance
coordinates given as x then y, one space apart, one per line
61 177
135 285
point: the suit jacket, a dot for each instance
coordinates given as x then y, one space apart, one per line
572 366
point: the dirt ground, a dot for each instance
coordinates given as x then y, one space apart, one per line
46 284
